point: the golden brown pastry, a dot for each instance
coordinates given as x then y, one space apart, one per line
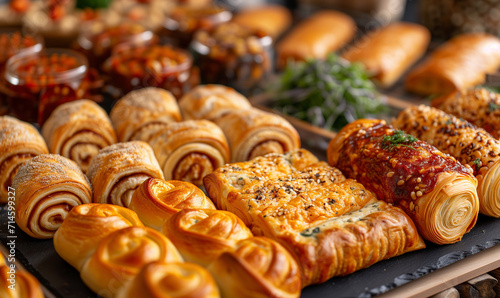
78 130
122 254
24 285
143 112
189 150
19 141
173 280
156 200
211 102
271 19
118 170
258 267
433 188
85 226
47 187
252 133
458 64
202 235
323 32
470 145
388 52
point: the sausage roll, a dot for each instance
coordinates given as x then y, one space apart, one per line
118 170
85 226
202 235
388 52
271 19
25 284
141 113
322 33
156 200
189 150
433 188
78 130
211 102
458 64
479 106
47 187
470 145
253 133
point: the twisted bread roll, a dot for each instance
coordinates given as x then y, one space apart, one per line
202 235
118 170
16 283
85 226
19 141
47 187
78 130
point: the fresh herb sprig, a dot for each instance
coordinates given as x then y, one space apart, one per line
398 139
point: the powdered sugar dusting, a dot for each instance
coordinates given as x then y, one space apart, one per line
14 131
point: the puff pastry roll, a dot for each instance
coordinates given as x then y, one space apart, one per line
121 255
189 150
176 280
85 226
118 170
258 267
19 141
478 106
156 200
433 188
252 133
388 52
324 32
470 145
143 112
458 64
78 130
25 285
271 19
211 102
47 187
202 235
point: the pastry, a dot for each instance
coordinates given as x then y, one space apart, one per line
271 19
16 283
47 187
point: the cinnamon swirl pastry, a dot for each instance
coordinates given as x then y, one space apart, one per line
78 130
25 284
118 170
47 187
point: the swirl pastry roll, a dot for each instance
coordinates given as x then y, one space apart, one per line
47 187
118 170
85 226
252 133
202 235
156 200
24 285
258 267
433 188
78 130
175 280
143 112
19 141
189 150
470 145
121 255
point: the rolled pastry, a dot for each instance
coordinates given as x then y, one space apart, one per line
470 145
189 150
433 188
458 64
47 187
324 32
271 19
24 285
78 130
202 235
252 133
258 267
176 280
19 141
388 52
479 106
156 200
121 255
118 170
143 112
85 226
211 102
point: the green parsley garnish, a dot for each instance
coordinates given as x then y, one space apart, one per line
493 106
398 139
